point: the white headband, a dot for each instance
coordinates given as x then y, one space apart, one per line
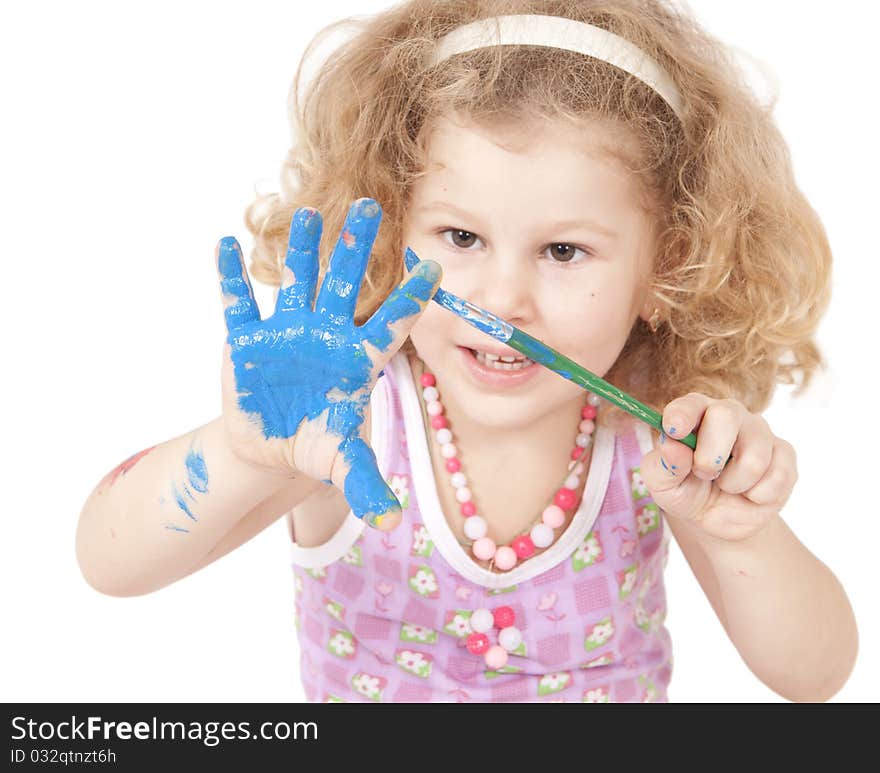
556 32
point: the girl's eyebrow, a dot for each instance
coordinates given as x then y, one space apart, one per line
578 222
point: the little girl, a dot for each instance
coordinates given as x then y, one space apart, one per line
467 525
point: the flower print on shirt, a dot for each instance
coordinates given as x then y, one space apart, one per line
368 685
458 623
418 663
600 694
342 644
423 581
589 552
599 634
603 660
550 683
650 691
639 489
626 580
353 557
334 609
421 541
417 633
648 519
399 484
318 573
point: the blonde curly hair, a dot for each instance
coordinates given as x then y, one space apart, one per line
742 271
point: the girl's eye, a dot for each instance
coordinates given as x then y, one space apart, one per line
462 239
560 252
564 253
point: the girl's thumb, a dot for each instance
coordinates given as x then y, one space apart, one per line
391 323
368 494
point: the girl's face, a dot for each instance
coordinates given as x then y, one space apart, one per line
549 234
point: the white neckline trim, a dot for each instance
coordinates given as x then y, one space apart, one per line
435 522
340 543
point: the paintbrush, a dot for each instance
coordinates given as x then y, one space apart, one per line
545 355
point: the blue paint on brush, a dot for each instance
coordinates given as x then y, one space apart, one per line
299 364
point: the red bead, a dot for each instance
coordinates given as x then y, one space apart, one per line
588 412
427 379
439 422
452 464
504 617
577 452
477 643
565 498
468 509
523 546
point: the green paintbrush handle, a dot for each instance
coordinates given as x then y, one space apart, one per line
559 363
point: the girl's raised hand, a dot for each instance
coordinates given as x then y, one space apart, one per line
295 385
732 502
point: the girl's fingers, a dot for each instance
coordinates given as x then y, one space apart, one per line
366 491
392 322
300 275
238 296
777 482
752 451
342 282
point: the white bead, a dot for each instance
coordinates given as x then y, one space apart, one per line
482 620
458 479
434 408
475 527
572 482
510 638
448 450
583 440
463 494
444 436
594 399
579 468
542 535
430 393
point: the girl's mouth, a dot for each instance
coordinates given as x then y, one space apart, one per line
492 370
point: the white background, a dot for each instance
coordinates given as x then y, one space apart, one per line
133 135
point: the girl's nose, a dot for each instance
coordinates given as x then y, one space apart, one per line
506 287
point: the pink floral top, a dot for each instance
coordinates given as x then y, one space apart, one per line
384 616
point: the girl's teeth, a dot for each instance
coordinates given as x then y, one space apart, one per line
505 363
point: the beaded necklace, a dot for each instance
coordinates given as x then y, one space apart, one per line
541 535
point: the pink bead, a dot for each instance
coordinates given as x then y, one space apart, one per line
553 516
468 509
427 379
496 657
523 546
439 422
577 452
484 548
505 558
579 468
587 426
504 616
565 498
588 412
477 643
453 465
434 408
463 494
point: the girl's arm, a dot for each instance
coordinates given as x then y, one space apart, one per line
176 507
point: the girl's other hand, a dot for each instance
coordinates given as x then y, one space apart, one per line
295 385
732 502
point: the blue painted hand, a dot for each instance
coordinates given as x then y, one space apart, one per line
296 385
